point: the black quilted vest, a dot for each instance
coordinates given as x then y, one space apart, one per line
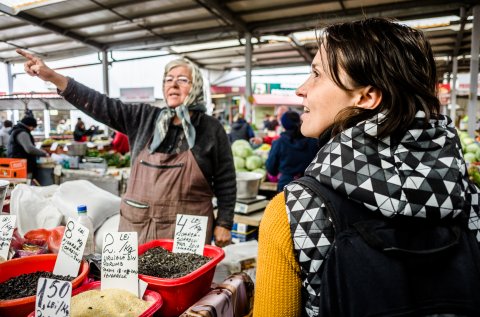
403 266
15 150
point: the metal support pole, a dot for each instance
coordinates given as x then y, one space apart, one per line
9 78
453 90
248 77
472 98
106 89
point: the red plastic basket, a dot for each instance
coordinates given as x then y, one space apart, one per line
44 262
149 296
180 293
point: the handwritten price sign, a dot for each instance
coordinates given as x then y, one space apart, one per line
71 250
53 298
120 261
7 225
190 234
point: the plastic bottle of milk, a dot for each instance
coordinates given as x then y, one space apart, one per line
87 222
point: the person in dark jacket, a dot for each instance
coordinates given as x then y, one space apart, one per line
181 156
22 145
80 133
291 153
241 130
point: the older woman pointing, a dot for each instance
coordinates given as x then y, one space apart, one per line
181 157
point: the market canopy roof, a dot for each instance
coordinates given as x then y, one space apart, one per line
56 29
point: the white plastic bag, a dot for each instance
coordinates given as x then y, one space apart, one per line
34 208
239 257
100 203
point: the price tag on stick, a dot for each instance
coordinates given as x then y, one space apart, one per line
71 249
120 261
190 234
7 225
53 298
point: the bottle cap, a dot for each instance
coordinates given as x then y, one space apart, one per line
81 209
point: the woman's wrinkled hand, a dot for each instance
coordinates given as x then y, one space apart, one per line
35 66
222 236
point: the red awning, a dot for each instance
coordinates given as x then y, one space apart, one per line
276 100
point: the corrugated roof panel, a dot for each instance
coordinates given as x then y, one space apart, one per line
152 8
58 47
272 46
273 13
228 51
288 54
7 21
86 19
177 17
21 31
249 5
63 8
116 37
350 4
107 29
147 8
187 27
217 60
40 40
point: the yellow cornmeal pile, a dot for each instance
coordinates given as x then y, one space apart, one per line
107 303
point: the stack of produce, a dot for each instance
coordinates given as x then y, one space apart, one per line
471 149
248 160
471 154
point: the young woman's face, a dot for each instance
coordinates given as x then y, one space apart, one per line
176 85
322 99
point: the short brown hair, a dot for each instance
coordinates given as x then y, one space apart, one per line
394 58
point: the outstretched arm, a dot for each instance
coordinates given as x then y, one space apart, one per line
35 66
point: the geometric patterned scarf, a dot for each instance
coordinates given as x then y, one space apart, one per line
423 175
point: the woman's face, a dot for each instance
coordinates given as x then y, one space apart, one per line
322 99
176 85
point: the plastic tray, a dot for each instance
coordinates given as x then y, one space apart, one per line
44 262
149 296
180 293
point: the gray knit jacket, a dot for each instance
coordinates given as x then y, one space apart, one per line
211 150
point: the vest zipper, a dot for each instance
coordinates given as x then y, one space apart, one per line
161 166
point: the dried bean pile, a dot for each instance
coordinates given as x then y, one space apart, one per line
162 263
26 284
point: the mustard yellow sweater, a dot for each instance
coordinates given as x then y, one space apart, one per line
277 287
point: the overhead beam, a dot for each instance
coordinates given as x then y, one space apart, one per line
223 13
92 10
301 49
459 39
400 10
49 26
181 38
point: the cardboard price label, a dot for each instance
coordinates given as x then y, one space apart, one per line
53 298
120 261
71 249
190 234
7 225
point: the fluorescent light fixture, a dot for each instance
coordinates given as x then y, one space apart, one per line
275 38
210 45
431 22
21 5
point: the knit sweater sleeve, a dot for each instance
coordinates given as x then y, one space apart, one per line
277 290
135 120
224 182
24 140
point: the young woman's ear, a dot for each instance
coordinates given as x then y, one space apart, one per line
369 98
